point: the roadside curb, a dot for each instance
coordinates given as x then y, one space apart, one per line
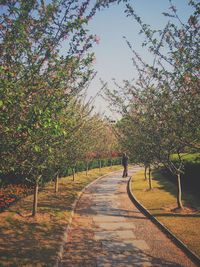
165 230
66 231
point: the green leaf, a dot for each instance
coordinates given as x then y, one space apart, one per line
37 148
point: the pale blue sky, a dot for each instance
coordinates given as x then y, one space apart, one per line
113 57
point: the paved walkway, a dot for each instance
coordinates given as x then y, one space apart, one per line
108 230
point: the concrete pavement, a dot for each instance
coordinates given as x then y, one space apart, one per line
108 230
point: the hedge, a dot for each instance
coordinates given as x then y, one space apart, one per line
95 163
17 178
190 180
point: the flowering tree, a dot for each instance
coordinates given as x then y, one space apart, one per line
37 80
163 105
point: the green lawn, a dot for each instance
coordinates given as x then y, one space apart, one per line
25 241
187 157
162 200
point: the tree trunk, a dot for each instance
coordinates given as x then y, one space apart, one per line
87 165
150 181
145 172
35 197
111 162
179 193
100 165
56 184
73 173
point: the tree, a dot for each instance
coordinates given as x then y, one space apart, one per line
163 104
37 81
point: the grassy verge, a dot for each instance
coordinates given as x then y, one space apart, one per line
162 200
27 241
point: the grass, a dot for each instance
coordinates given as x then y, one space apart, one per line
161 201
27 241
187 157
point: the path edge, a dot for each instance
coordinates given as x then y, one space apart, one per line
163 228
66 231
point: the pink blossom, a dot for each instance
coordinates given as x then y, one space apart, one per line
192 21
78 56
182 33
97 39
65 36
187 78
94 60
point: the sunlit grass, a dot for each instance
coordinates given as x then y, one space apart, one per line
187 157
162 200
25 241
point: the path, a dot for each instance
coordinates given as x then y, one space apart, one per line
108 230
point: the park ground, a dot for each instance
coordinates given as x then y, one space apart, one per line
161 203
31 241
28 241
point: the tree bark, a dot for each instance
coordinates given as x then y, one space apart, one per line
35 197
145 172
179 193
73 173
100 165
87 165
56 184
150 181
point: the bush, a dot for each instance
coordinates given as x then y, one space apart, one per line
190 180
13 178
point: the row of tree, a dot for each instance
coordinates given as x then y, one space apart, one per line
46 66
161 109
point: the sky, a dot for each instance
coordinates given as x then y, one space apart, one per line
113 57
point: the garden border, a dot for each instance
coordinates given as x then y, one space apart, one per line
67 229
163 228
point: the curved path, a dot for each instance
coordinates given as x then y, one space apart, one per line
108 230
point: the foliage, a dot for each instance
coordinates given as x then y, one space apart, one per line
190 178
106 145
160 110
46 64
188 158
11 192
37 82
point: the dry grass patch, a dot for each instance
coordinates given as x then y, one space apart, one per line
161 203
27 241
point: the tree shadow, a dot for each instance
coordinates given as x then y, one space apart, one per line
191 203
36 242
82 250
24 246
